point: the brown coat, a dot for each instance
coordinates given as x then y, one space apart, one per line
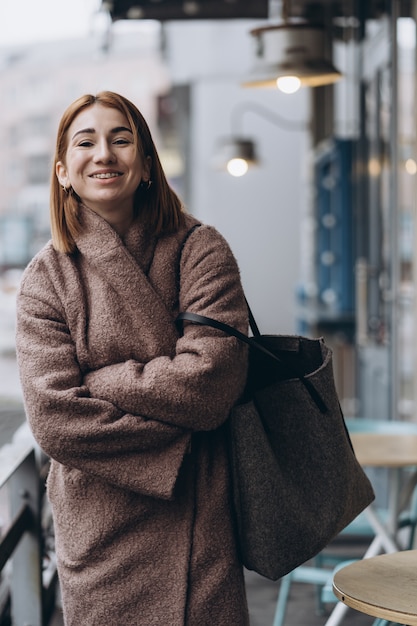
131 414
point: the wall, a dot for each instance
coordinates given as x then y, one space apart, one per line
260 214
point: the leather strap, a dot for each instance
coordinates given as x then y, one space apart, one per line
252 324
251 341
208 321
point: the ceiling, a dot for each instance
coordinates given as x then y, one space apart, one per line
311 10
165 10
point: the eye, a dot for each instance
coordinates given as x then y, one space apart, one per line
121 141
86 143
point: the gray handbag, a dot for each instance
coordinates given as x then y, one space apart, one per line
296 480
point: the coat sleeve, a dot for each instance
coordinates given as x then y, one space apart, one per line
73 427
198 386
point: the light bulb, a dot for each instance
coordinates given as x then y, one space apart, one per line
237 167
411 167
374 167
288 84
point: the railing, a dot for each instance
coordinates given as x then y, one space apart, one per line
27 586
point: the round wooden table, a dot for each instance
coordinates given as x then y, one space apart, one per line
393 446
384 586
394 451
385 449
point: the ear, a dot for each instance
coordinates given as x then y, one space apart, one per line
62 174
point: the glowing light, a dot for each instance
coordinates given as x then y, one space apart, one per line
288 84
410 167
237 167
374 167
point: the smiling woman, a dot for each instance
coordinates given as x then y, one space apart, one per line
106 160
103 166
132 413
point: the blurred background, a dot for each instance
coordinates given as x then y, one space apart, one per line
288 125
322 222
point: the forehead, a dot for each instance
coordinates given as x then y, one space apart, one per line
99 118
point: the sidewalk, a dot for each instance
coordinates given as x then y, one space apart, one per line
301 610
10 390
11 403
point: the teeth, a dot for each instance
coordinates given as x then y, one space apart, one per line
107 175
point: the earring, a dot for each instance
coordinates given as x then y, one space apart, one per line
145 184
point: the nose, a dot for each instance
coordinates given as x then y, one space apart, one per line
104 152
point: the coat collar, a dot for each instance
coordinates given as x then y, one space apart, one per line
124 266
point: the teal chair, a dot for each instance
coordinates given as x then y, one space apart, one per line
321 572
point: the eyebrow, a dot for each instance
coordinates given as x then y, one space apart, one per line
91 131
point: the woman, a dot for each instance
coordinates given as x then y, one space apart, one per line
132 412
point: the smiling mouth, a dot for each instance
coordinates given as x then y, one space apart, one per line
106 175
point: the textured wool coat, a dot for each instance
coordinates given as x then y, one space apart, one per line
132 414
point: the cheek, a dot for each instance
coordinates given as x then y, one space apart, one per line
75 168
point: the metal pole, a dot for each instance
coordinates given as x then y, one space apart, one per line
394 217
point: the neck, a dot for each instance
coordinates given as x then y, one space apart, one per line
119 218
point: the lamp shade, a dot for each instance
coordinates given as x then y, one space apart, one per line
291 50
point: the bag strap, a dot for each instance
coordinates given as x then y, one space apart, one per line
251 341
208 321
252 324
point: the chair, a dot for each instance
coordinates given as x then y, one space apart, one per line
321 572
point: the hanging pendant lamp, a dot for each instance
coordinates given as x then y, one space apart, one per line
291 55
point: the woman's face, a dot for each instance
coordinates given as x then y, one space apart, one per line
102 163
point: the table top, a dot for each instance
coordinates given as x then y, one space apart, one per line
385 449
384 586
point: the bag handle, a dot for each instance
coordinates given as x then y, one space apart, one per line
252 324
208 321
251 341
